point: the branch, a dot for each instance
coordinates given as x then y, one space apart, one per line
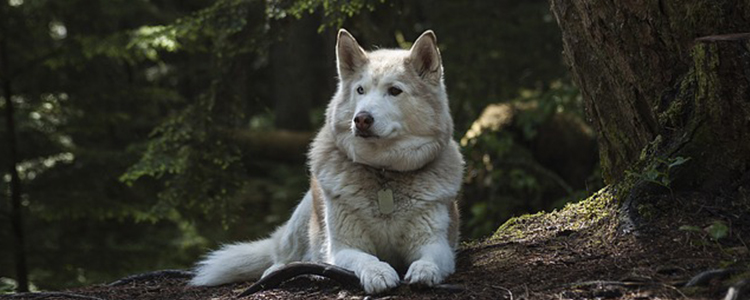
289 271
724 37
336 273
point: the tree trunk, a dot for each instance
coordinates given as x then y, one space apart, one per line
16 218
294 59
662 79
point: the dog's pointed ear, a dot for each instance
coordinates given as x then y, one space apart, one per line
350 57
425 57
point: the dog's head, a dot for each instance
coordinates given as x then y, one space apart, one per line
391 109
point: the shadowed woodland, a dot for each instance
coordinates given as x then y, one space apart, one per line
607 144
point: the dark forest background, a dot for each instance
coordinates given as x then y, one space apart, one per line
151 131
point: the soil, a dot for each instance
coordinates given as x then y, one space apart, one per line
580 252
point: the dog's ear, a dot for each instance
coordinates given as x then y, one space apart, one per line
425 57
350 57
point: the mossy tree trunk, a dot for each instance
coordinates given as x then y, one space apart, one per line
663 79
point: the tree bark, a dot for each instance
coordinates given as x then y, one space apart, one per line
661 79
294 59
16 216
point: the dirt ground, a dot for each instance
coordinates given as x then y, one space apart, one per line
580 252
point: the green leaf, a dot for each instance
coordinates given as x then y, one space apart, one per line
690 228
677 161
718 230
651 175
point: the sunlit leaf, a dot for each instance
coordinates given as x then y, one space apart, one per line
718 230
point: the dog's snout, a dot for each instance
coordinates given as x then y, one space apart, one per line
363 120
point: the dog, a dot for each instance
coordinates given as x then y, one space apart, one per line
385 179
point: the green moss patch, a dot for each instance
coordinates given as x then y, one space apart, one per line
597 212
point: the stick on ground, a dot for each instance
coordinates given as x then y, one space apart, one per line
276 278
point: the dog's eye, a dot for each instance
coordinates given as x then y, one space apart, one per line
394 91
360 90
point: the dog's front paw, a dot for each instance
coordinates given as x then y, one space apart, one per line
424 272
378 277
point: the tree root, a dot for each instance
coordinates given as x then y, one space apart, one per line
276 278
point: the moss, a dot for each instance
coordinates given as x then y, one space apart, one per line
582 215
515 227
650 149
706 61
690 16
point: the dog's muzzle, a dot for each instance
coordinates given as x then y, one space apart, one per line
362 123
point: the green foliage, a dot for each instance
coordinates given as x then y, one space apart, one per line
87 91
7 285
717 231
658 172
199 167
335 12
506 175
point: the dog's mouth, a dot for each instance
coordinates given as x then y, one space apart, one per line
366 134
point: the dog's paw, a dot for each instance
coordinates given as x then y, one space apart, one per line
378 277
424 272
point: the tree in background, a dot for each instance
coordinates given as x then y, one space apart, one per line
84 98
666 87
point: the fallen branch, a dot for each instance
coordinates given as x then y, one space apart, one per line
336 273
276 278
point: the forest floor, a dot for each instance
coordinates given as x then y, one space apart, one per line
580 252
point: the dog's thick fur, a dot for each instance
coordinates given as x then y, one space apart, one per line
406 147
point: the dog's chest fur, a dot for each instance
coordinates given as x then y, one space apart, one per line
346 203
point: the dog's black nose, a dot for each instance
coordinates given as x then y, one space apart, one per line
363 120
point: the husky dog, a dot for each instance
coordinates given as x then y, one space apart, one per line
385 177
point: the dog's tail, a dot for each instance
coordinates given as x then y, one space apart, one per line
248 261
235 262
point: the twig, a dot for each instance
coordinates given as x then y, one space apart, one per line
153 275
674 289
704 277
608 282
505 289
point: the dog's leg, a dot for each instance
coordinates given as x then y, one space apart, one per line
376 276
291 241
432 263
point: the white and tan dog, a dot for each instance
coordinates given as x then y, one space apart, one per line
386 174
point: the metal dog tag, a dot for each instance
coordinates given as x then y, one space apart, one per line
385 201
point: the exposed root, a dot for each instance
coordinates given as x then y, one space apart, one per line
276 278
